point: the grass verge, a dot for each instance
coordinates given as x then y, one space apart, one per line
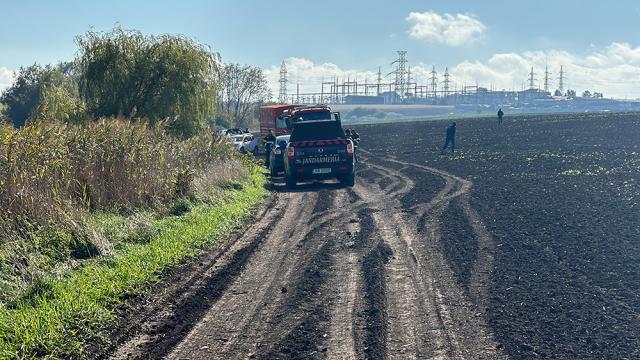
60 315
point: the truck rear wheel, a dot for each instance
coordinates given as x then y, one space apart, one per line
349 180
291 182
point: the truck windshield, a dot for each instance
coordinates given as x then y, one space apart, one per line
320 130
281 123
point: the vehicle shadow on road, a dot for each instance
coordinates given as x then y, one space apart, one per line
278 184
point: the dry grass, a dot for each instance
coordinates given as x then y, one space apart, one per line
53 176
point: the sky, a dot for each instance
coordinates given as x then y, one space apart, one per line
491 43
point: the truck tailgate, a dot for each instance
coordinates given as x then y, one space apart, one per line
329 152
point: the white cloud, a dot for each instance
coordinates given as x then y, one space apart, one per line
613 70
6 78
448 29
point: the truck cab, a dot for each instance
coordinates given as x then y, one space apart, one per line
271 118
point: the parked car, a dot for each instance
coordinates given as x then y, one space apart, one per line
276 159
246 143
236 131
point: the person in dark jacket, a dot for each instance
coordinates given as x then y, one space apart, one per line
268 141
355 137
451 138
500 115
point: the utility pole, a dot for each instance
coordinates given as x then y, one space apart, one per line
446 82
532 80
561 81
298 93
379 81
546 78
282 96
408 79
434 81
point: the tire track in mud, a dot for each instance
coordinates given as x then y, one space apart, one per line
243 317
305 316
162 323
343 273
415 328
426 261
486 246
346 280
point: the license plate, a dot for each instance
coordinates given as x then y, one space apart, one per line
322 171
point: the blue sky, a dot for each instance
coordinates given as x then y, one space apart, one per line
491 42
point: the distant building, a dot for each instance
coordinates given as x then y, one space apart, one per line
531 95
391 97
360 99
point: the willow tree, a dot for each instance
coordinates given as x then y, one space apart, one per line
126 73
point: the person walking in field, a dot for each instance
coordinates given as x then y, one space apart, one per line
268 141
451 138
500 115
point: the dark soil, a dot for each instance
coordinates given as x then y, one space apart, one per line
459 245
426 187
560 195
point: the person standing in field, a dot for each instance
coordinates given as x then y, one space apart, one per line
355 137
500 115
451 138
268 141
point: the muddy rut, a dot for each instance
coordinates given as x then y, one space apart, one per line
333 272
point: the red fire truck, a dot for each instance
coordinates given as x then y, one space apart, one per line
269 119
280 118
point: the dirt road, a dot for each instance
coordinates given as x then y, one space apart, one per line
334 272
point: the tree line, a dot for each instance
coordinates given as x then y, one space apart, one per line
168 79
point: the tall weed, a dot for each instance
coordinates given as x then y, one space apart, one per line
52 175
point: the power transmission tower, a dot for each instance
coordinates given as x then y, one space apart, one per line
532 80
282 96
434 81
446 82
546 78
401 73
561 81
